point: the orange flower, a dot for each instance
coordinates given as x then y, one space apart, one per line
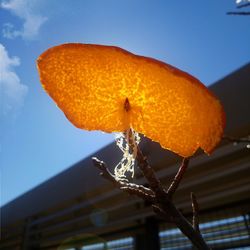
109 89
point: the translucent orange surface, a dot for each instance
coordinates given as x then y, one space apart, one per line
107 88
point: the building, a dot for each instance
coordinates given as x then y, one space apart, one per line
77 209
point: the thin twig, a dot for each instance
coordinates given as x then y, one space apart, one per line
147 171
104 170
149 174
162 205
156 194
138 191
178 177
131 188
243 5
241 13
195 209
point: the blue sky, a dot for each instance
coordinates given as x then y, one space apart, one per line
37 141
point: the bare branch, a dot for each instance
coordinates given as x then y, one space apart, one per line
243 5
195 209
163 214
144 166
138 191
149 174
162 205
131 188
105 171
241 13
165 204
178 177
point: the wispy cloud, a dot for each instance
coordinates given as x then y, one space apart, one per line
32 21
12 91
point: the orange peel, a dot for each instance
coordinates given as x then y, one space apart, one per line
110 89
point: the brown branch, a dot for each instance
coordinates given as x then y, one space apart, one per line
163 214
195 209
162 205
178 177
104 170
145 168
138 191
131 188
149 174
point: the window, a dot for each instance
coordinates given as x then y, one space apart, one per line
223 233
120 244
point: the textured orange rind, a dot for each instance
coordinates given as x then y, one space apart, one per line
91 83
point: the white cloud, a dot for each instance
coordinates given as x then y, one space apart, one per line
240 1
9 31
12 90
24 9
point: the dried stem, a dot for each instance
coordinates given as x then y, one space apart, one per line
195 209
150 176
160 199
178 177
131 188
164 204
